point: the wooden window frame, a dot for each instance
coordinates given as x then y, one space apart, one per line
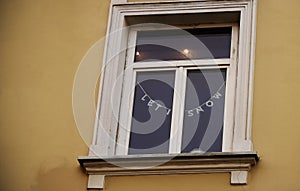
180 67
108 113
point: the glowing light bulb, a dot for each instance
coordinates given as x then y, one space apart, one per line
186 51
137 53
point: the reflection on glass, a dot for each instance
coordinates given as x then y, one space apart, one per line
199 43
151 117
204 111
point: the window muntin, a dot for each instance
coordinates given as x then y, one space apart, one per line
176 143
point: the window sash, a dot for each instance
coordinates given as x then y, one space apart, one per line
181 67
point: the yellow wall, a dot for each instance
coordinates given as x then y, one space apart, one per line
42 43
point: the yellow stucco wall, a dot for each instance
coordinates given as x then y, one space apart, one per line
42 43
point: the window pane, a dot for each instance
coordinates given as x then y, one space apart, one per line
151 118
204 111
199 43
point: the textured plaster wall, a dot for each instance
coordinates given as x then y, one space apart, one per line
42 43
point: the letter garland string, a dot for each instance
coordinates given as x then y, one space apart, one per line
190 112
153 103
208 103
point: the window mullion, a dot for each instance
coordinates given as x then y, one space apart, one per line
178 111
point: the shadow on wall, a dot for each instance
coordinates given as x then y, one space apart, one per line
59 175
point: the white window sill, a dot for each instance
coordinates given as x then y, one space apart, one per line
237 163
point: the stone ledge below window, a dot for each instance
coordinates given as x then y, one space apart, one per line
236 163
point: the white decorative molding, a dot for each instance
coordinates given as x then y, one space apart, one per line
114 2
239 177
96 182
238 164
122 15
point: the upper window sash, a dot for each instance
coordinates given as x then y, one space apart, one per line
131 50
183 44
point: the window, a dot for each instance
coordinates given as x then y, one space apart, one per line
180 92
174 96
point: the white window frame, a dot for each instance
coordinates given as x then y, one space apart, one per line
180 67
107 118
106 123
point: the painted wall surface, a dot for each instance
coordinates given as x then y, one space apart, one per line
42 44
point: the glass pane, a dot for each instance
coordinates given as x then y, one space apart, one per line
204 111
204 43
151 117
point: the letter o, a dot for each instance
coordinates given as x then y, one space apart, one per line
209 103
